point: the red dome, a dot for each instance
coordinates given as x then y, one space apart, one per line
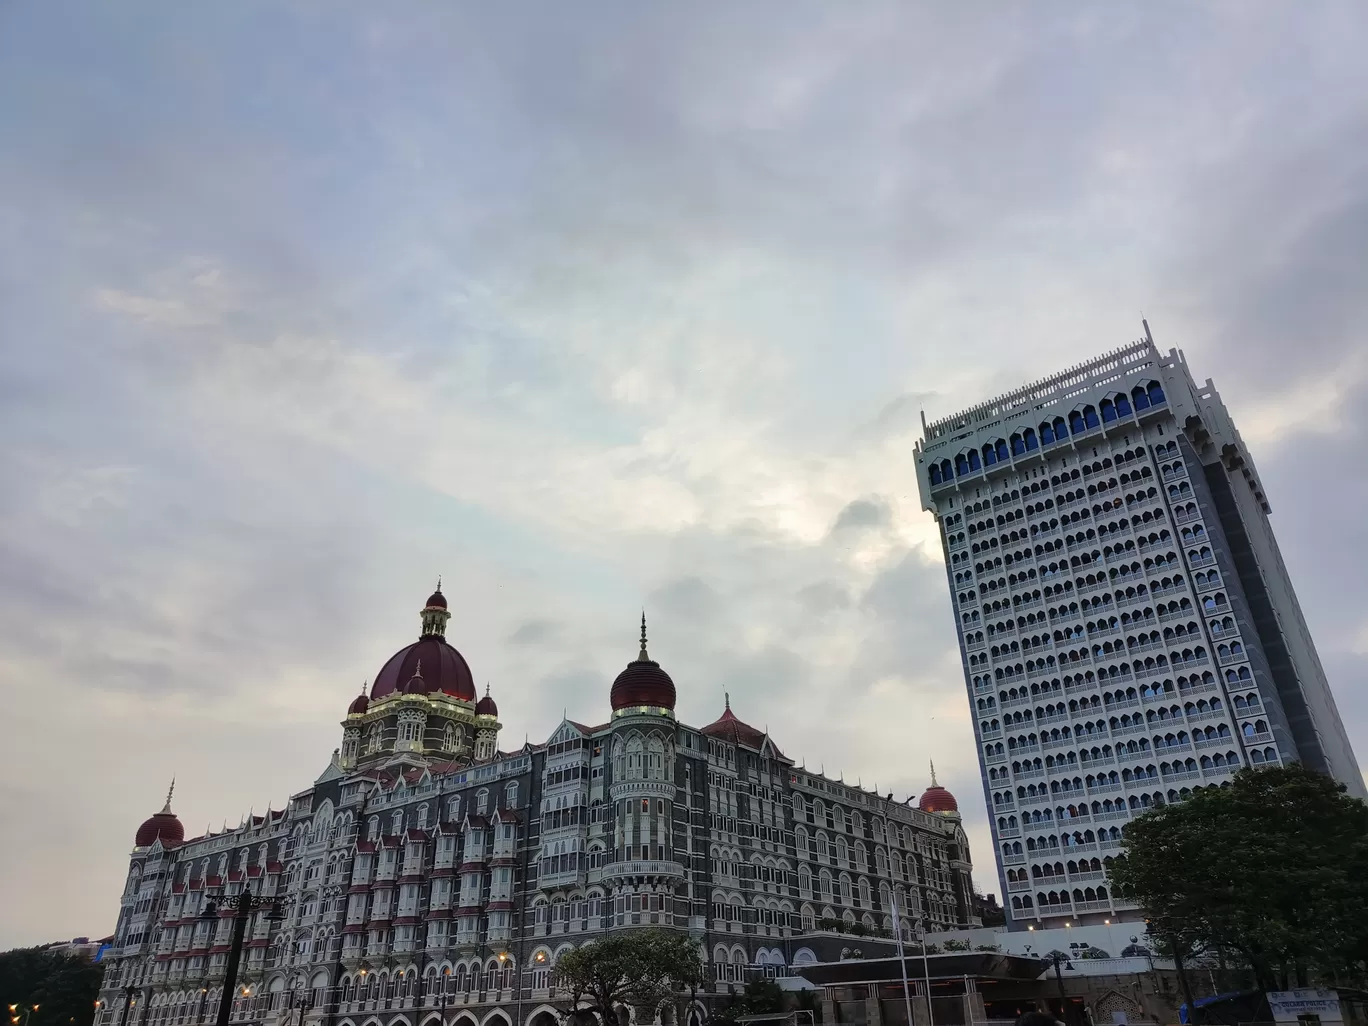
486 705
440 667
643 682
437 600
938 800
359 705
163 826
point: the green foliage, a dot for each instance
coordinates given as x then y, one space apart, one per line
64 987
641 969
1273 868
761 997
955 945
851 929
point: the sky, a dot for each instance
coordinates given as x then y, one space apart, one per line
594 307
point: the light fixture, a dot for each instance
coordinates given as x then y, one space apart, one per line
1032 928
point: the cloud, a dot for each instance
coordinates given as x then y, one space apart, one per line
859 513
595 308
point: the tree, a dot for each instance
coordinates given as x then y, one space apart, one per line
64 987
761 997
642 969
1273 867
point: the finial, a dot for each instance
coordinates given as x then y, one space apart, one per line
726 695
439 582
418 669
365 687
169 791
643 657
933 774
486 689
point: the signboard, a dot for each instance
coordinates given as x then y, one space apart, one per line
1305 1006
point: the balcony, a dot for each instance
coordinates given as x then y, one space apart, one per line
1186 517
1103 788
1028 774
645 867
996 759
1258 739
1174 776
1101 817
1091 906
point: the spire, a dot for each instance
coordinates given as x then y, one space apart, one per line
726 696
486 689
166 809
439 582
933 774
642 656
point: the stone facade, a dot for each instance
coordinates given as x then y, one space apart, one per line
427 876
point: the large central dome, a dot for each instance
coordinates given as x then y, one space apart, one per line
428 665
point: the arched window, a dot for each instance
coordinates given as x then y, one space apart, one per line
934 473
974 460
1031 441
1076 425
1018 445
1123 406
961 465
1140 397
989 456
1001 449
1090 417
1108 411
1156 394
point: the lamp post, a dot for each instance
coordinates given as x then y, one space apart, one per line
446 985
243 905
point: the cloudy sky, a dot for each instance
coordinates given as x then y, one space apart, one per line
594 306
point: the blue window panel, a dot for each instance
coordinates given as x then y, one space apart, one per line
1141 399
1076 425
1108 411
1090 417
935 473
1018 446
961 466
1123 406
1046 434
973 460
1061 429
1156 394
989 456
1031 442
1001 449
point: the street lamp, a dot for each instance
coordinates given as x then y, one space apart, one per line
446 983
243 905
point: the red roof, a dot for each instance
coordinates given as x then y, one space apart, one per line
729 728
937 799
426 666
161 826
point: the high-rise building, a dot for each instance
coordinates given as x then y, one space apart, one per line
428 877
1128 629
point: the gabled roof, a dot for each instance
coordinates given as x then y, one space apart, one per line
728 728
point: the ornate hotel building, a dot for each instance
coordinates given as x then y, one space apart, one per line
428 877
1128 629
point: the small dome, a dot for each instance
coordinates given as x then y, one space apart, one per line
486 706
643 682
359 704
936 799
162 826
437 600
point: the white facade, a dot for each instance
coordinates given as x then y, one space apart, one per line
1128 630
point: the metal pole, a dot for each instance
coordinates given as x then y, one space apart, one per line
926 973
902 955
244 913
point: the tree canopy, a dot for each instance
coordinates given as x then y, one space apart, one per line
641 969
1272 869
64 987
